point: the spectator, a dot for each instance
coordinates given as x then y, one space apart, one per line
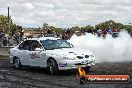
109 30
10 41
114 30
104 32
17 37
0 34
21 35
65 36
0 43
68 32
49 31
94 31
131 33
4 40
90 31
99 33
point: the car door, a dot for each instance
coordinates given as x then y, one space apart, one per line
23 52
37 54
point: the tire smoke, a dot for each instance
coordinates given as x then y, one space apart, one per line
106 50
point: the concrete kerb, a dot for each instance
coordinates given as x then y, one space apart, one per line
4 56
7 46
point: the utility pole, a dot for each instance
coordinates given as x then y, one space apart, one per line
9 19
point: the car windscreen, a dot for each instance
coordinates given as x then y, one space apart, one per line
55 44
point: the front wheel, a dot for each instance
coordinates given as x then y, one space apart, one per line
17 63
52 66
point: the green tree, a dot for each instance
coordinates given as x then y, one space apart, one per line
45 26
128 28
59 30
76 28
88 27
4 25
52 28
110 24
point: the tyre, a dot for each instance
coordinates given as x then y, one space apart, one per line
17 63
52 67
87 69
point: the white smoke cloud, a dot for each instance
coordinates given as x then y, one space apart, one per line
108 49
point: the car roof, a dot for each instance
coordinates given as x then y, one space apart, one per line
43 38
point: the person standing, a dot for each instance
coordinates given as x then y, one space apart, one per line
17 37
21 35
4 40
10 41
0 42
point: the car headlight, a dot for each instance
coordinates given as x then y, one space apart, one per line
67 58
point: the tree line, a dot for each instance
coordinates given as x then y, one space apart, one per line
4 26
104 25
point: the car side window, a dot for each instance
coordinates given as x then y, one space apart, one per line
24 46
35 44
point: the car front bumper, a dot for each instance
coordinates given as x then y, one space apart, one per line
68 64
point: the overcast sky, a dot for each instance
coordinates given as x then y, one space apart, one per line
67 13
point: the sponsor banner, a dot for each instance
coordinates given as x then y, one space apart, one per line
105 79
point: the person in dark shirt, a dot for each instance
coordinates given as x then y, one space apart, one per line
4 41
0 42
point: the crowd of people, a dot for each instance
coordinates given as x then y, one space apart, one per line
114 32
8 40
100 33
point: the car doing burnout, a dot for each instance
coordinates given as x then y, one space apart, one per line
53 53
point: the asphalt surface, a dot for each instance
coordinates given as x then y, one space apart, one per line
29 77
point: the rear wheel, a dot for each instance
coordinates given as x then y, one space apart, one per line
17 63
52 66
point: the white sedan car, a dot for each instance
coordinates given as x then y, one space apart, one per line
53 53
